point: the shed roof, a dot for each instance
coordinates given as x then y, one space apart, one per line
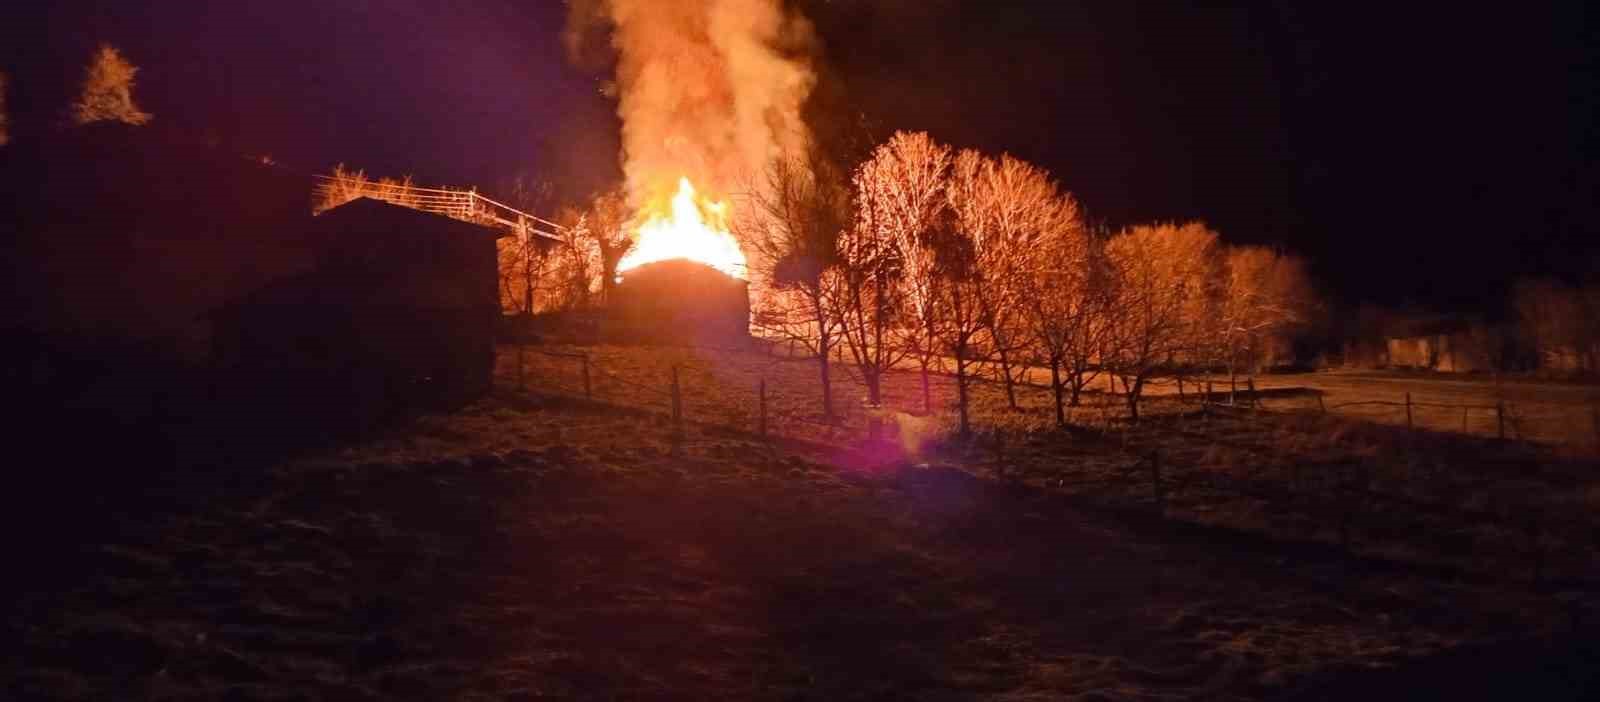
366 212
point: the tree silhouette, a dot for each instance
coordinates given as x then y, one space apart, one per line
791 225
1162 283
607 219
902 191
1260 293
1063 301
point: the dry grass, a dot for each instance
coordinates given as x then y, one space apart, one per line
1508 509
532 546
1543 411
554 550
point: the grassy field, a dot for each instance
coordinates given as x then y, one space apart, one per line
1548 412
1544 411
1430 496
535 545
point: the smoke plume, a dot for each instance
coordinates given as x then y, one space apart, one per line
709 89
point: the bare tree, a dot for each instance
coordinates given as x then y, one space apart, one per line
1260 292
523 265
870 260
1161 276
1062 301
790 227
107 94
902 194
1022 205
344 185
963 309
523 258
1560 323
1003 209
572 270
608 217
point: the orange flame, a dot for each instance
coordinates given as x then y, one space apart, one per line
691 227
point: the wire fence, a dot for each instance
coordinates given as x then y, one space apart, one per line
465 205
725 399
1573 425
752 392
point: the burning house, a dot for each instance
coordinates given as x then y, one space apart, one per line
710 96
684 280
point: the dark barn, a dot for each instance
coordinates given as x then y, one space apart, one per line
679 302
398 313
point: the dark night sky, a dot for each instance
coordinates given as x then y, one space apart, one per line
1426 154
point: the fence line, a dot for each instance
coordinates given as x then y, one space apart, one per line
465 205
1350 490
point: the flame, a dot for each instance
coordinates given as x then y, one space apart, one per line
693 228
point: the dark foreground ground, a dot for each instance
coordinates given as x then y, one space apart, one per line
539 548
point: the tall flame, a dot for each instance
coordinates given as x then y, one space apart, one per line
689 227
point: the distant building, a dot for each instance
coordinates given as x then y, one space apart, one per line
399 310
1447 347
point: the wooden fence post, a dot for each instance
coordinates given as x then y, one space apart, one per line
1500 414
762 391
1409 424
588 388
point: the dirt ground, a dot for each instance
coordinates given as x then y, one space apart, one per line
532 546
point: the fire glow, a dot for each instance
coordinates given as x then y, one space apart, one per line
688 227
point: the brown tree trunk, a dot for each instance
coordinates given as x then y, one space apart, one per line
821 358
1233 378
961 387
927 393
1133 392
875 400
927 360
1005 373
527 277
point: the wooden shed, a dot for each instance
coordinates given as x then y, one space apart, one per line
399 311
